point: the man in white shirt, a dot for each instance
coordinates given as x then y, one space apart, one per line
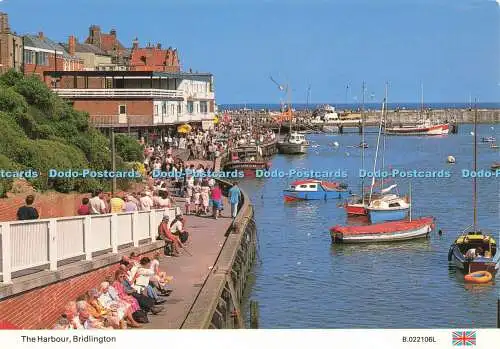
97 204
146 202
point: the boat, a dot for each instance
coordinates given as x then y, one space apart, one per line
494 146
465 253
495 166
424 128
489 139
294 143
313 189
383 232
389 207
247 159
472 240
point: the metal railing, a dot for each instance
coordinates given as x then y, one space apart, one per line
42 244
118 93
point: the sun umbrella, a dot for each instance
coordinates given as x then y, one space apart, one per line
184 128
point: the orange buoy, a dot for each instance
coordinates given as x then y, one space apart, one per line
478 277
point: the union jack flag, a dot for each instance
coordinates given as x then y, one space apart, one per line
464 338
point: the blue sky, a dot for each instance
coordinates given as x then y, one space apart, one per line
451 46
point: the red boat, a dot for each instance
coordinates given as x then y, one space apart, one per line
425 129
383 232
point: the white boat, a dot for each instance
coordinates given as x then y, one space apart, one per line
389 207
294 143
423 129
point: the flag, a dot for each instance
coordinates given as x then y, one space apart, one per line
464 338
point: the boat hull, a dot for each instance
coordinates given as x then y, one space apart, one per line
288 148
378 216
436 130
248 168
470 266
315 195
419 229
355 210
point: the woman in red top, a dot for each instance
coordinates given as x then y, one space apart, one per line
84 208
216 201
166 234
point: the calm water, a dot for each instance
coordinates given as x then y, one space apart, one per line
303 281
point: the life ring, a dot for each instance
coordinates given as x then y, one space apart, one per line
478 277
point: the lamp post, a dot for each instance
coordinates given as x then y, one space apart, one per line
113 160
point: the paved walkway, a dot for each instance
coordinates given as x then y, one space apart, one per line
190 272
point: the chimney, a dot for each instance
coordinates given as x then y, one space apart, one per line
158 46
95 35
4 23
135 44
71 45
113 32
40 35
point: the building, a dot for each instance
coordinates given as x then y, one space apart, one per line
154 58
92 56
42 54
138 100
11 47
109 44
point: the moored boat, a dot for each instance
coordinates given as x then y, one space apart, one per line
489 139
463 253
383 232
424 129
294 143
388 208
247 159
495 166
312 189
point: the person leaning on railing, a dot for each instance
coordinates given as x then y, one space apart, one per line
27 211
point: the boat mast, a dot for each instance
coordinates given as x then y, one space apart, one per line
385 122
409 194
474 181
363 141
376 151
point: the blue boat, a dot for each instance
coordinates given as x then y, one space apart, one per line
388 208
311 189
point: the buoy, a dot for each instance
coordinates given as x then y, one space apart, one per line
472 133
478 277
451 159
336 144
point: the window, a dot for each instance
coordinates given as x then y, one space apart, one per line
203 107
312 186
190 107
164 109
42 58
29 57
122 109
156 109
172 109
179 108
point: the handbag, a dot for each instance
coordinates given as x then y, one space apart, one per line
140 316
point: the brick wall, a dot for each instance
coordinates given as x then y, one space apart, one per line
139 112
40 308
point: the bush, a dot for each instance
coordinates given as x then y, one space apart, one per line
12 102
36 93
6 184
11 78
128 148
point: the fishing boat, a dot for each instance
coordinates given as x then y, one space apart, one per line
312 189
495 166
424 128
294 143
383 232
474 250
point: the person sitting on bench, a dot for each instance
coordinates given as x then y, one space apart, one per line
166 234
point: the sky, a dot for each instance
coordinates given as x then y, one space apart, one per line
451 47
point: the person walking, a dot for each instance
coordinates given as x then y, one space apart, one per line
234 199
27 211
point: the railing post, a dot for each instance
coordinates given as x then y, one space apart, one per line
6 257
135 228
114 233
152 223
53 244
87 225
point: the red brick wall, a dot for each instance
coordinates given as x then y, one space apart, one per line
40 308
38 70
139 112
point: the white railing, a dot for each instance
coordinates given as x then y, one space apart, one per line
117 93
45 242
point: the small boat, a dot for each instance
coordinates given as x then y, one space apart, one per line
389 207
383 232
312 189
247 159
294 143
489 139
495 166
423 129
494 146
459 256
360 145
356 206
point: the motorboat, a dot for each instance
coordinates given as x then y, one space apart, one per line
294 143
423 129
389 207
312 189
463 255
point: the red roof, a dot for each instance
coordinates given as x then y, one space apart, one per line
5 325
305 181
381 228
108 43
156 59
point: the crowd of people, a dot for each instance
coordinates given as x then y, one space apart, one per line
137 290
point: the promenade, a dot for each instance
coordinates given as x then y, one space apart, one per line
207 237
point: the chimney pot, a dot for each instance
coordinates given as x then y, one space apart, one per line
71 45
135 44
40 35
113 32
158 46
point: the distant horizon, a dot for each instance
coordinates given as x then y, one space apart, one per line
490 105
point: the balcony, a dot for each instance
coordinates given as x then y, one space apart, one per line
107 93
